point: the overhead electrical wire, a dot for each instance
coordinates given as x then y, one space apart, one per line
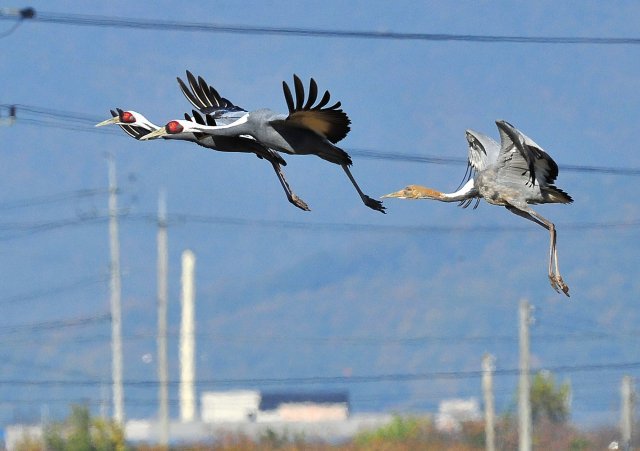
15 14
20 230
174 25
347 380
81 283
11 231
13 28
430 159
74 121
55 324
48 199
362 341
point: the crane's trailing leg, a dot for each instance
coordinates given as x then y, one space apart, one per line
295 200
557 283
368 201
556 279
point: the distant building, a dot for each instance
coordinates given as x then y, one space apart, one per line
316 416
232 405
253 406
453 412
310 407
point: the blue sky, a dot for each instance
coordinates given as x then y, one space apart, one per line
580 102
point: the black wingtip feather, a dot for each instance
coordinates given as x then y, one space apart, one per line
325 99
210 120
287 96
313 94
297 84
187 93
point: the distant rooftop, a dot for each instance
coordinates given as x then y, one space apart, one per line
271 401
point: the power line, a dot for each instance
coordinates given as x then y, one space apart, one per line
13 28
21 298
27 228
179 218
74 121
456 161
19 14
55 114
172 25
357 341
56 324
311 380
68 126
52 198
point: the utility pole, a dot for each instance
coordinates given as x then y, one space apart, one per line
163 369
628 404
524 402
116 293
187 339
489 409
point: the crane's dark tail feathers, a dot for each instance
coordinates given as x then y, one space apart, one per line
556 195
335 155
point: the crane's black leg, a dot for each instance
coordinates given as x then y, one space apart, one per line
557 283
295 200
368 201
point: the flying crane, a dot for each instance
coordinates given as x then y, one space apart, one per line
138 126
307 128
514 174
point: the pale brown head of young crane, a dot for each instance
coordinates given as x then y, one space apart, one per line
416 192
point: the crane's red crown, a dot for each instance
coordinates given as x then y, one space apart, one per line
174 127
127 117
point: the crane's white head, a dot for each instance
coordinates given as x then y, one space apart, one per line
174 128
129 117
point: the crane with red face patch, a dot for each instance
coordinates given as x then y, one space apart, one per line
307 129
139 127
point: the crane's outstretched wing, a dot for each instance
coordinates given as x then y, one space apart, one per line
483 152
330 122
206 99
520 154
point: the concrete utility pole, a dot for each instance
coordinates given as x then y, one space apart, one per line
524 402
116 294
187 339
489 409
628 404
163 368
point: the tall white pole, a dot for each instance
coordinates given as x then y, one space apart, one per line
163 369
626 421
187 339
489 408
524 404
116 293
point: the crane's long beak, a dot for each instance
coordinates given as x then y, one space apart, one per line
113 120
154 134
398 194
